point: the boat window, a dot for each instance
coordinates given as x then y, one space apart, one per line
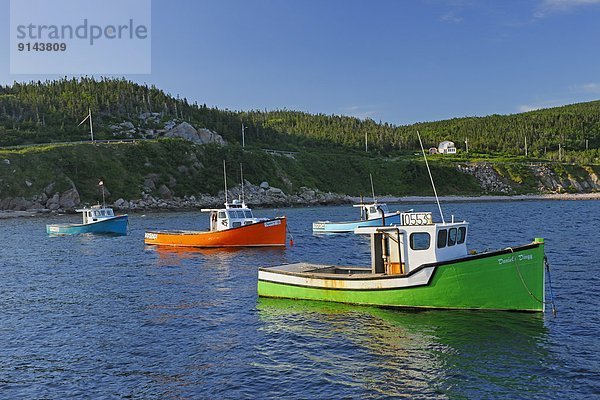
373 210
248 213
222 214
239 214
248 222
103 213
420 241
452 237
441 240
96 214
384 207
236 224
462 234
109 212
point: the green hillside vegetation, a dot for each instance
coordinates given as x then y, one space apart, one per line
329 149
190 169
40 112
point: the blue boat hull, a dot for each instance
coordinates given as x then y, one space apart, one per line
343 227
116 226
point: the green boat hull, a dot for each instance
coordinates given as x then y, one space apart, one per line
511 279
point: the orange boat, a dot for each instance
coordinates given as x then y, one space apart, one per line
233 226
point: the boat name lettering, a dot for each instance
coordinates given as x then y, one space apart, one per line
318 226
525 257
53 229
151 236
424 218
272 223
506 260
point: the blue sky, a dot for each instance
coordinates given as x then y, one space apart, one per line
394 61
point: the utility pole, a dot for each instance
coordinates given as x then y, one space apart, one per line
366 143
586 144
559 152
467 144
89 116
525 146
243 138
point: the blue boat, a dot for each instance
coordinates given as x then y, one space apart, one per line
371 214
96 219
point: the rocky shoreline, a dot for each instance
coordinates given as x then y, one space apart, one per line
260 199
262 196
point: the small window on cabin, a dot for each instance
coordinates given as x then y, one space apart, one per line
442 237
236 224
247 213
462 234
420 240
452 237
96 214
103 213
221 214
373 210
109 212
239 214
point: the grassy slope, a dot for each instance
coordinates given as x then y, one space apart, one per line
190 170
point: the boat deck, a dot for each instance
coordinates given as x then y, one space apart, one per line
322 270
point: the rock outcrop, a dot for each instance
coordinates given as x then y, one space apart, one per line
489 180
203 136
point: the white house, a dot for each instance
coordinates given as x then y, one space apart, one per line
446 147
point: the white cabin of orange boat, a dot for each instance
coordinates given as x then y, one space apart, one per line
234 215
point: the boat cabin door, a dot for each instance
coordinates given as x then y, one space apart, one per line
387 255
213 221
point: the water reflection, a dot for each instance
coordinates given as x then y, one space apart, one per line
431 353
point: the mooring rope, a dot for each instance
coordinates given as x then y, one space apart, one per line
547 265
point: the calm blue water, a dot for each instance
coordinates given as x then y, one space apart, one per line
107 317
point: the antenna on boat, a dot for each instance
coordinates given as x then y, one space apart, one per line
242 178
431 178
89 116
373 188
225 178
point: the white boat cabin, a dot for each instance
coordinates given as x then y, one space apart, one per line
234 215
96 213
417 240
370 211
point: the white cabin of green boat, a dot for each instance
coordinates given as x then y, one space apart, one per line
399 249
96 213
234 215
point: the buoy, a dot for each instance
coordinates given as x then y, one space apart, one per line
291 242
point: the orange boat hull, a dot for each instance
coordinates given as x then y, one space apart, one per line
265 233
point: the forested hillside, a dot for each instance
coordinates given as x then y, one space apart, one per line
40 112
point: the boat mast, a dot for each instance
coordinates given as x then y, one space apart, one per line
242 178
372 188
101 183
431 178
225 178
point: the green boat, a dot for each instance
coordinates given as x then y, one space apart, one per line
420 264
